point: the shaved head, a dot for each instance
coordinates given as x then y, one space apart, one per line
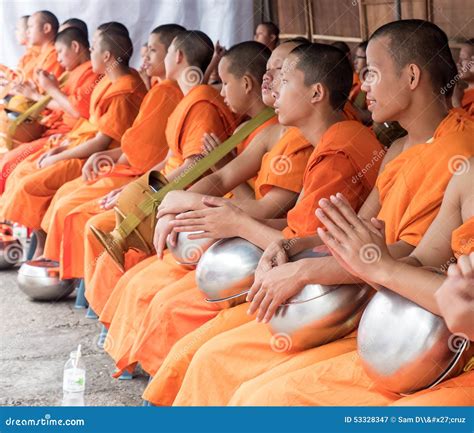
424 44
196 47
248 58
327 65
48 17
167 32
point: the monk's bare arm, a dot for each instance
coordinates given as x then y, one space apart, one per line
97 144
61 102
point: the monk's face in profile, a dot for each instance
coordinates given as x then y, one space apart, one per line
234 90
154 60
271 79
68 56
466 62
98 59
20 31
292 96
387 86
360 60
37 31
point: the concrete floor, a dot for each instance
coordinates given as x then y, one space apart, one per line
35 341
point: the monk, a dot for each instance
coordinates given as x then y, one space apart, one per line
341 149
143 146
77 23
268 34
27 60
274 193
342 380
466 72
42 30
114 106
405 83
69 103
201 111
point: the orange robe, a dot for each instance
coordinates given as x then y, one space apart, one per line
29 189
345 160
467 102
357 95
47 60
411 190
201 110
283 167
343 381
144 144
78 88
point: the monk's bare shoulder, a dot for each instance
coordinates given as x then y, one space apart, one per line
461 189
394 150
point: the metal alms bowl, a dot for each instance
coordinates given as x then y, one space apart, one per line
320 314
226 270
403 347
39 279
11 252
189 251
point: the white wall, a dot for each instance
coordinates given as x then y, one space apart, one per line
229 21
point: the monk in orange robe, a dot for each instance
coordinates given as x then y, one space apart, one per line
341 154
407 205
114 106
342 380
271 196
25 65
68 105
76 201
184 133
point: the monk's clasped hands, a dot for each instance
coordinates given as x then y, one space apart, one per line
358 245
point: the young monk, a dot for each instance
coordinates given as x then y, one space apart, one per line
68 104
466 71
342 380
267 33
241 71
77 23
26 63
201 110
114 106
41 31
406 84
142 146
341 150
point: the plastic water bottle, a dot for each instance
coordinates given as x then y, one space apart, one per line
74 380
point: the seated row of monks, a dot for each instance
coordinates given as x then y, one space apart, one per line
311 176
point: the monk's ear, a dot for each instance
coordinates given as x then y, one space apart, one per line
414 75
76 47
179 57
318 92
107 55
47 28
248 84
